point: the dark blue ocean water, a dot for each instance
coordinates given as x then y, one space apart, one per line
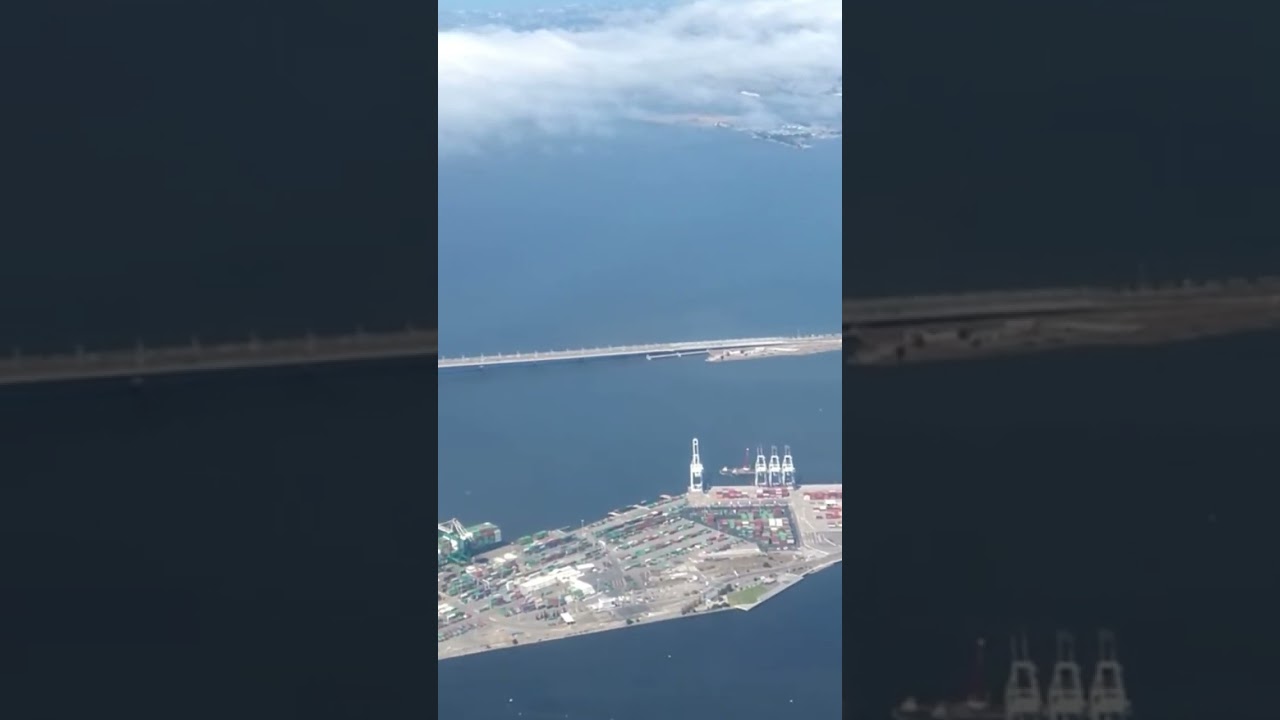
1019 145
1121 489
232 546
659 235
229 546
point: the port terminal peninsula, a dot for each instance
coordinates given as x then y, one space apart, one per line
708 550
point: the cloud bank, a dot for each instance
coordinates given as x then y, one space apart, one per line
496 83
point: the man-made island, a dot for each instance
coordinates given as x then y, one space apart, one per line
704 551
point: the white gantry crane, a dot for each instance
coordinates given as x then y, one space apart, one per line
762 469
456 528
1066 699
1022 699
788 467
1107 697
775 467
695 470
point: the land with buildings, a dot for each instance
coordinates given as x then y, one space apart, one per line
708 550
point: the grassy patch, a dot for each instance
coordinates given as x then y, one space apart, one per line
747 595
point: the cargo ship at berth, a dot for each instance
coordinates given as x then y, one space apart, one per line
776 470
1065 698
744 469
458 544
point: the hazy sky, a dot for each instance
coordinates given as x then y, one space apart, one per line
495 83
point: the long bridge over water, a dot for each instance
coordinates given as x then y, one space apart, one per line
195 357
140 362
895 330
650 350
941 326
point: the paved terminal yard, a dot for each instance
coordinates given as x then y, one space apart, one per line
730 547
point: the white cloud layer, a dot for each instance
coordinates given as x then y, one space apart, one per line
496 83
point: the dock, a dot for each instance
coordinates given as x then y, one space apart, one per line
142 362
728 548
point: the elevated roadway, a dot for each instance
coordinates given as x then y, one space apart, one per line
882 311
959 326
650 350
142 362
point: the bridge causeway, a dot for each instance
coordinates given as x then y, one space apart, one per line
650 350
873 311
142 362
896 330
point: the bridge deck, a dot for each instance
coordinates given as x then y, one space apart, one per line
903 309
668 348
144 362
